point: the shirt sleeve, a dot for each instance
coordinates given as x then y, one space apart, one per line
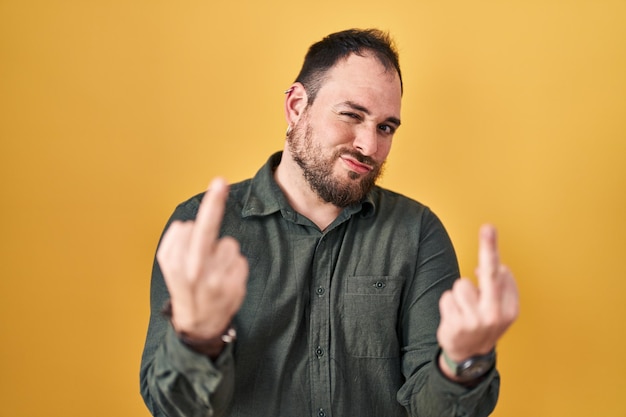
175 380
426 392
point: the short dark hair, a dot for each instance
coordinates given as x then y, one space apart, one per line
323 55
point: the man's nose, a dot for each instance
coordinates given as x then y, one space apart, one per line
366 140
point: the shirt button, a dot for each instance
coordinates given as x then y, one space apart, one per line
379 285
320 290
319 352
321 413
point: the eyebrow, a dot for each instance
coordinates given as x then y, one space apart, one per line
365 110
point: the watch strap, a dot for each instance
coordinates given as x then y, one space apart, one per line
473 368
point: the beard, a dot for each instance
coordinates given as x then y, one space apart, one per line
317 168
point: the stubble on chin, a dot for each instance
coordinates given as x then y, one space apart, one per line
319 171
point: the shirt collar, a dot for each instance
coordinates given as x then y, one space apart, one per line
265 196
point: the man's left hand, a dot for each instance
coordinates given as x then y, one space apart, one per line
474 318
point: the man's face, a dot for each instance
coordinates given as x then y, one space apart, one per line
342 140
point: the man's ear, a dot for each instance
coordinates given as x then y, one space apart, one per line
295 102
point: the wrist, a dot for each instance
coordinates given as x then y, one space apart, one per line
208 346
469 371
211 347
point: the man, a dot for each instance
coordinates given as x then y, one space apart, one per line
343 296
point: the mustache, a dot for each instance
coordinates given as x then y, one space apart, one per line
358 156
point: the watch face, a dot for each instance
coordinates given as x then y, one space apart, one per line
472 368
475 369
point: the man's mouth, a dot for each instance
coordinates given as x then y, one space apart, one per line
354 165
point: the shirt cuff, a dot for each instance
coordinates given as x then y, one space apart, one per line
197 368
465 395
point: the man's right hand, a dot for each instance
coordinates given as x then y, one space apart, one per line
205 275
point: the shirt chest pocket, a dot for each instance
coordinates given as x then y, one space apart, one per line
370 316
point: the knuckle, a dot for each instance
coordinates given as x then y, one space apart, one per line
472 323
464 288
460 284
492 321
193 268
229 243
491 318
445 300
162 255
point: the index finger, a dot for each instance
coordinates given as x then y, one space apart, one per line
488 256
209 218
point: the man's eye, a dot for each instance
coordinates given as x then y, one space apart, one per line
351 115
387 129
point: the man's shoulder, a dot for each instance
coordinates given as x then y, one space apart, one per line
404 212
385 198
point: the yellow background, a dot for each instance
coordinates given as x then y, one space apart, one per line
112 112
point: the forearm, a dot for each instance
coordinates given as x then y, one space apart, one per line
175 379
427 391
430 393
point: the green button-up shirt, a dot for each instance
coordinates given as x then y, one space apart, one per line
340 322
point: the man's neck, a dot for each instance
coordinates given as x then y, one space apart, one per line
301 196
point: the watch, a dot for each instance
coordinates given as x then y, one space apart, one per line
473 368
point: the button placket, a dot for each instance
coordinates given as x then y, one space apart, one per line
323 264
319 352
